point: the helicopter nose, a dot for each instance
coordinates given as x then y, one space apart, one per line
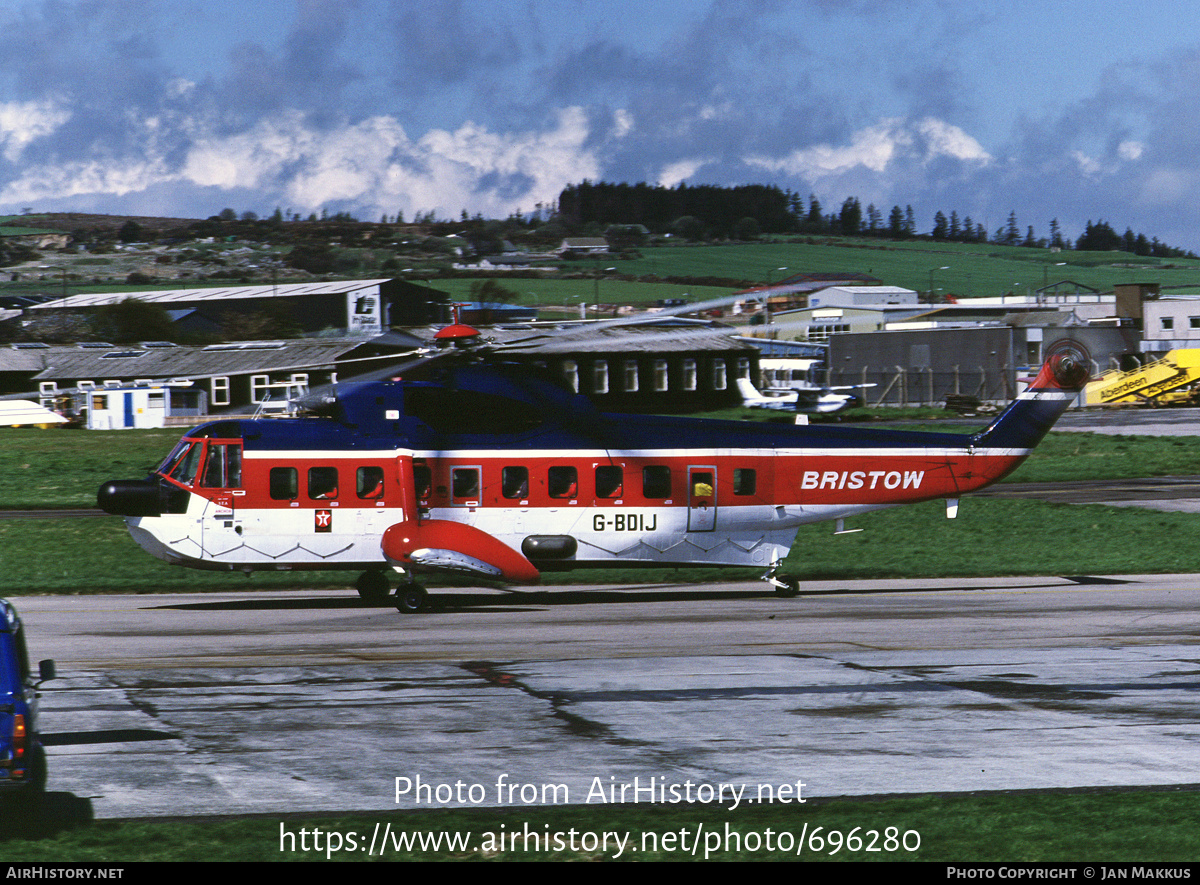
130 497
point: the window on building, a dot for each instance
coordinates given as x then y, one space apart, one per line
570 370
718 375
661 379
631 376
600 376
1194 322
1168 323
743 367
822 331
219 390
260 388
689 374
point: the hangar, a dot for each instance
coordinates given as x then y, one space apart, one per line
354 307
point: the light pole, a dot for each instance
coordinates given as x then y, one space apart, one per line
931 270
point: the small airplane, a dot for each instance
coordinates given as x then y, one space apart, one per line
461 462
807 399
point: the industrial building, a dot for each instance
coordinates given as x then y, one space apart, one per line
351 307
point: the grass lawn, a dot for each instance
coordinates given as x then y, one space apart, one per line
1100 825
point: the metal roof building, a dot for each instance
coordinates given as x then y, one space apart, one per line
360 307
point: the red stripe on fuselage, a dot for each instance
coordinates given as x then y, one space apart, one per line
817 478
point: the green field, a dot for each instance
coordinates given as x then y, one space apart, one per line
1099 825
972 270
958 269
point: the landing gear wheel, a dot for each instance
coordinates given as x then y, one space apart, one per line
790 588
373 586
411 598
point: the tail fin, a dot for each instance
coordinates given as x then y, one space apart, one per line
1029 418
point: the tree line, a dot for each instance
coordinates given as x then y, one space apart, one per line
746 211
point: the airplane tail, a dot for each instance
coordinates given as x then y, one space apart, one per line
1031 415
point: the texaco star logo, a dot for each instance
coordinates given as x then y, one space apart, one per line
323 521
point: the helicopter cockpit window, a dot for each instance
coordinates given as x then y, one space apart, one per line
184 468
223 468
514 482
563 482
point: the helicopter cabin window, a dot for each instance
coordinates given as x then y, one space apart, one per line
285 483
656 482
570 370
423 482
369 483
514 482
631 376
745 482
563 482
610 481
223 469
464 484
600 376
718 375
322 483
661 382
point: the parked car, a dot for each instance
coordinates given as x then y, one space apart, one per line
22 758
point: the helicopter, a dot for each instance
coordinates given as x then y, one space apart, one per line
461 462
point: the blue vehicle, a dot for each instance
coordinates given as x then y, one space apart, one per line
22 758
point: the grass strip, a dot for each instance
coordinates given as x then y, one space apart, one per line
1131 825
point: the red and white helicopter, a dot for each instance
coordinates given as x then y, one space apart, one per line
464 463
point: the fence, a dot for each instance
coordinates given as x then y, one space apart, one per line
902 386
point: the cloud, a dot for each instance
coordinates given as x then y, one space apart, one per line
370 166
877 149
23 122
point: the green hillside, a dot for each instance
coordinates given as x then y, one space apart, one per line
971 270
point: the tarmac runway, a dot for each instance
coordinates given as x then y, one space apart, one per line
267 702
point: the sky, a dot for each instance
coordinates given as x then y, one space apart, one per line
1073 110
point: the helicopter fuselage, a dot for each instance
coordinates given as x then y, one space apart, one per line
481 474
